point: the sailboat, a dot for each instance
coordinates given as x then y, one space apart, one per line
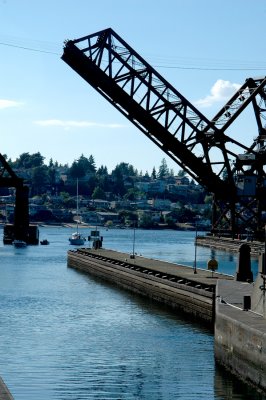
76 238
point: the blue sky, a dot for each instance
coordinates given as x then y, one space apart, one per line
204 48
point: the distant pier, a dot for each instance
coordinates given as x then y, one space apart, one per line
230 245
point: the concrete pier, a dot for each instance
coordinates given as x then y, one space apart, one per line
175 285
240 333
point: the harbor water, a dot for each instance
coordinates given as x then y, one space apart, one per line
66 335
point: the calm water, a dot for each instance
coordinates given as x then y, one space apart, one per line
65 335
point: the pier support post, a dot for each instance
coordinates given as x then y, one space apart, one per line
21 219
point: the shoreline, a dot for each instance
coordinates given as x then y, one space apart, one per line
178 227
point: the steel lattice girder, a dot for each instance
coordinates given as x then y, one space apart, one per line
198 145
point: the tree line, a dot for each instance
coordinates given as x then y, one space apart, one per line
93 181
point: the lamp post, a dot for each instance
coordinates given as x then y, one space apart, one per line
133 250
263 275
264 259
195 256
134 236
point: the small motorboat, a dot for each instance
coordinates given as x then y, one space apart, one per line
44 242
19 243
77 239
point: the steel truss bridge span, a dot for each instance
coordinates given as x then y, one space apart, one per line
231 170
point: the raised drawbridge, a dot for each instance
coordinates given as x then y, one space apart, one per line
234 172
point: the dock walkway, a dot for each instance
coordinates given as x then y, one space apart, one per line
202 276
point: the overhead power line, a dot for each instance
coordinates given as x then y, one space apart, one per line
213 68
161 65
28 48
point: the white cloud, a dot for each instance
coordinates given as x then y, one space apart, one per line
75 124
220 91
9 103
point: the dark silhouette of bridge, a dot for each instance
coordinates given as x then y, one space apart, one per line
21 229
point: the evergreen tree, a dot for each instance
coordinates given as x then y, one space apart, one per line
118 181
98 193
103 179
154 173
77 170
163 169
92 164
125 169
102 171
181 173
88 164
40 179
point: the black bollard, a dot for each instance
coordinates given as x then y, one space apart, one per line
244 273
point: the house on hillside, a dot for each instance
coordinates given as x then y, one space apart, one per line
91 218
99 204
160 204
108 216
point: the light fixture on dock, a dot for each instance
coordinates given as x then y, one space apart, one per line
134 237
195 258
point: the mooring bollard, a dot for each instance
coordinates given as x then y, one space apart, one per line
244 273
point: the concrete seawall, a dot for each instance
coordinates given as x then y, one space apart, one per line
174 285
240 334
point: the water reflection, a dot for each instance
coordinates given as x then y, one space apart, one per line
227 387
71 336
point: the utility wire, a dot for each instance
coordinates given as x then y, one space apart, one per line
28 48
157 66
212 68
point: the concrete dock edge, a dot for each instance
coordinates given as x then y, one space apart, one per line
240 334
170 284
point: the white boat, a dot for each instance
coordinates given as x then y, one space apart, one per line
19 243
76 238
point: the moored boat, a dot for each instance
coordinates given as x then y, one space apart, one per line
76 238
19 243
44 242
